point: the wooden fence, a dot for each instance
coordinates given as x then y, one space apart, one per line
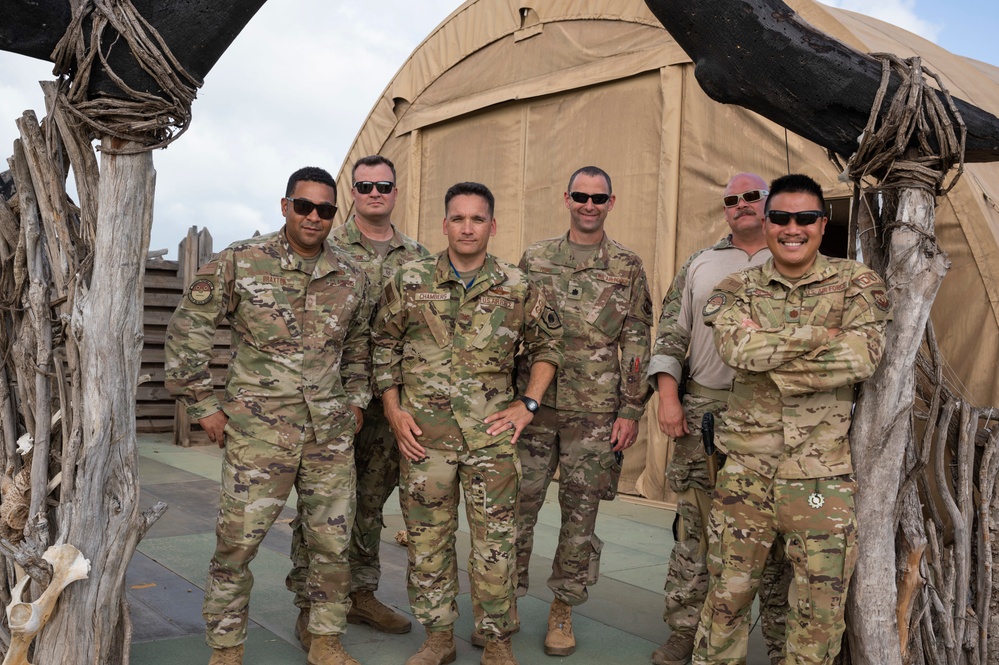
165 282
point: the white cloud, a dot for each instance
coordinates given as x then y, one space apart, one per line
902 13
292 90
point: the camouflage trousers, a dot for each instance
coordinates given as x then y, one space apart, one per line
257 478
376 458
687 575
490 480
816 518
578 445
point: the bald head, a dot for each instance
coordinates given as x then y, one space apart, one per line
745 218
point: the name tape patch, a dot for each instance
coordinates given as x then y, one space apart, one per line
433 296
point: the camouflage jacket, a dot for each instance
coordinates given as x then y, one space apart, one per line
451 351
379 270
790 408
300 342
607 313
402 249
681 334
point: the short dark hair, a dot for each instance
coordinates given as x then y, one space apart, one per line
795 183
470 189
373 160
593 172
310 174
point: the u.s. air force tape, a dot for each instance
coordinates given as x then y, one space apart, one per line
202 291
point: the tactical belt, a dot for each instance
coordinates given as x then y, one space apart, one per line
694 388
745 391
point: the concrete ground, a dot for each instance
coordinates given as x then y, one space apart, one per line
620 623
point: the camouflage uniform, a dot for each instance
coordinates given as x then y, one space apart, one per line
683 337
451 352
301 357
786 433
376 456
607 312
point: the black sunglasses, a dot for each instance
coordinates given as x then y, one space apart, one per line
752 196
803 218
304 207
383 186
581 197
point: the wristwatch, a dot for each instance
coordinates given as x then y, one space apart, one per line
531 404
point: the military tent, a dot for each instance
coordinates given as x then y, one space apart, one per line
517 94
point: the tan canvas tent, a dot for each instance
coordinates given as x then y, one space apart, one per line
518 94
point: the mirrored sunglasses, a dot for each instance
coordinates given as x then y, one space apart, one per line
581 197
803 218
752 196
365 186
304 207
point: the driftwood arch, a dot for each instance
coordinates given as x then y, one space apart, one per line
75 266
71 276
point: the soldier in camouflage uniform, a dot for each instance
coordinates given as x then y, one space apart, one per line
801 331
683 339
589 414
379 249
446 332
298 378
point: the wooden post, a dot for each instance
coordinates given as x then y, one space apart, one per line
103 519
881 430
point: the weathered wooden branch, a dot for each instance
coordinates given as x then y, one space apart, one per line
197 31
761 55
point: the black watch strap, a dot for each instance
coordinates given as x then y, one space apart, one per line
531 404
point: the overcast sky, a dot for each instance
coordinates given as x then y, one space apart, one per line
298 82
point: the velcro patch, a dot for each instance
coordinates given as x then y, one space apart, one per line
548 270
271 279
551 318
757 292
613 279
431 296
730 284
715 303
820 290
499 302
349 282
209 268
202 291
869 278
881 300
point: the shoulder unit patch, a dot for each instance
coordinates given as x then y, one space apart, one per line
201 292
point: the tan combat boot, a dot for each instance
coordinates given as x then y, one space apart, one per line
365 608
677 649
437 649
560 641
227 656
327 650
302 633
498 652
